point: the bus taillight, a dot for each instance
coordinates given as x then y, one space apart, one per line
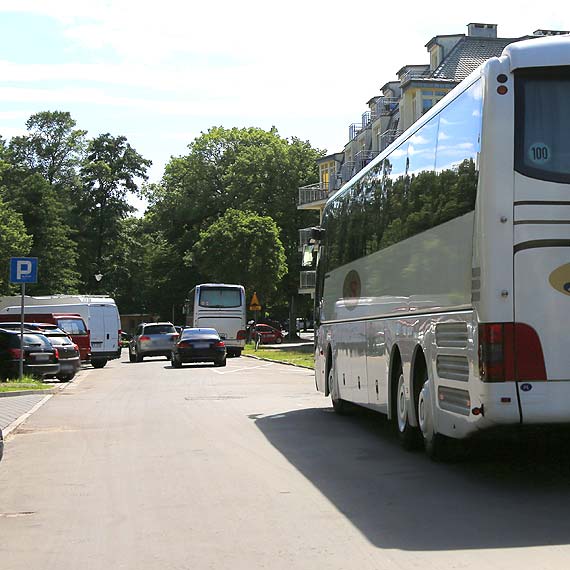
510 352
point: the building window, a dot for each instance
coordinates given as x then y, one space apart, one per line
430 98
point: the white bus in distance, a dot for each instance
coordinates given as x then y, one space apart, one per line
443 274
222 307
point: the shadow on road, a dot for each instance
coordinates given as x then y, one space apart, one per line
504 494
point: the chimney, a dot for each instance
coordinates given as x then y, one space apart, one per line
482 30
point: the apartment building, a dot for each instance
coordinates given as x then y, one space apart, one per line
400 104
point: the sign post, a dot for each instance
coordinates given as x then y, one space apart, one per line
23 270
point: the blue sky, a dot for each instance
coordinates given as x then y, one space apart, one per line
161 73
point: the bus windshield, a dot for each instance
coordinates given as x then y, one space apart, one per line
543 123
219 297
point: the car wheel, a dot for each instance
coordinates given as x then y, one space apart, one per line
220 362
176 363
98 362
65 377
138 357
278 340
132 357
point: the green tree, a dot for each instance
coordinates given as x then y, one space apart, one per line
257 258
53 147
52 240
112 169
14 242
246 169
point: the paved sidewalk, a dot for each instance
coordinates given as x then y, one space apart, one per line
12 407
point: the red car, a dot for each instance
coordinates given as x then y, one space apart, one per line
267 334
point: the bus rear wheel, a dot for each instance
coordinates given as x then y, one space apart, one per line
438 447
409 436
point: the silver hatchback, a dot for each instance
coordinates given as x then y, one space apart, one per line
152 339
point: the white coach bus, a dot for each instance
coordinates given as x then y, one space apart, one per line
443 268
221 307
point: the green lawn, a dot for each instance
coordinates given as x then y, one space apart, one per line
27 383
291 356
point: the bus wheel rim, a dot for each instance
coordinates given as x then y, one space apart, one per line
401 404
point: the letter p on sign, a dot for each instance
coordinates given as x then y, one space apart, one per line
23 269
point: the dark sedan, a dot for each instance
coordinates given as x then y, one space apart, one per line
68 351
199 345
40 357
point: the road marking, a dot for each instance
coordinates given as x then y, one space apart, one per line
243 368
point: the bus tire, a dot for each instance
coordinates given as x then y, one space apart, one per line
338 404
438 447
409 436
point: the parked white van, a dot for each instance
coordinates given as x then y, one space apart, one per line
98 311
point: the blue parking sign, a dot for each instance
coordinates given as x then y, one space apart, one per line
23 270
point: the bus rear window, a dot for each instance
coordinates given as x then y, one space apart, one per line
542 123
219 298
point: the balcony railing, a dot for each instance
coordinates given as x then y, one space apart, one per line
347 171
308 279
363 158
366 119
385 106
415 74
304 236
313 193
388 137
353 130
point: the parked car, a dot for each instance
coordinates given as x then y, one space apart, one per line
68 352
199 345
267 334
1 444
40 357
152 339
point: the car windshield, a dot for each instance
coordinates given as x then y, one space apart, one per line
159 329
201 333
72 326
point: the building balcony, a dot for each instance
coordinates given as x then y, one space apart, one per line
304 237
415 74
353 130
363 158
307 282
388 137
384 106
366 119
313 196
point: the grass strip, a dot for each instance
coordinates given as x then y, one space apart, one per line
27 383
290 356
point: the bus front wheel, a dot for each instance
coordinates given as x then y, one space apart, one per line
338 404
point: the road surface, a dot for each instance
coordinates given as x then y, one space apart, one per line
140 466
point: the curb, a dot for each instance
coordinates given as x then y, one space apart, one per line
18 422
278 361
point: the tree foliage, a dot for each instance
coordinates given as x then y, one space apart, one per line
257 254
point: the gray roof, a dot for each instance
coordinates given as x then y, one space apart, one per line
468 54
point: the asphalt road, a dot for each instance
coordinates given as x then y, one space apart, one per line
139 466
